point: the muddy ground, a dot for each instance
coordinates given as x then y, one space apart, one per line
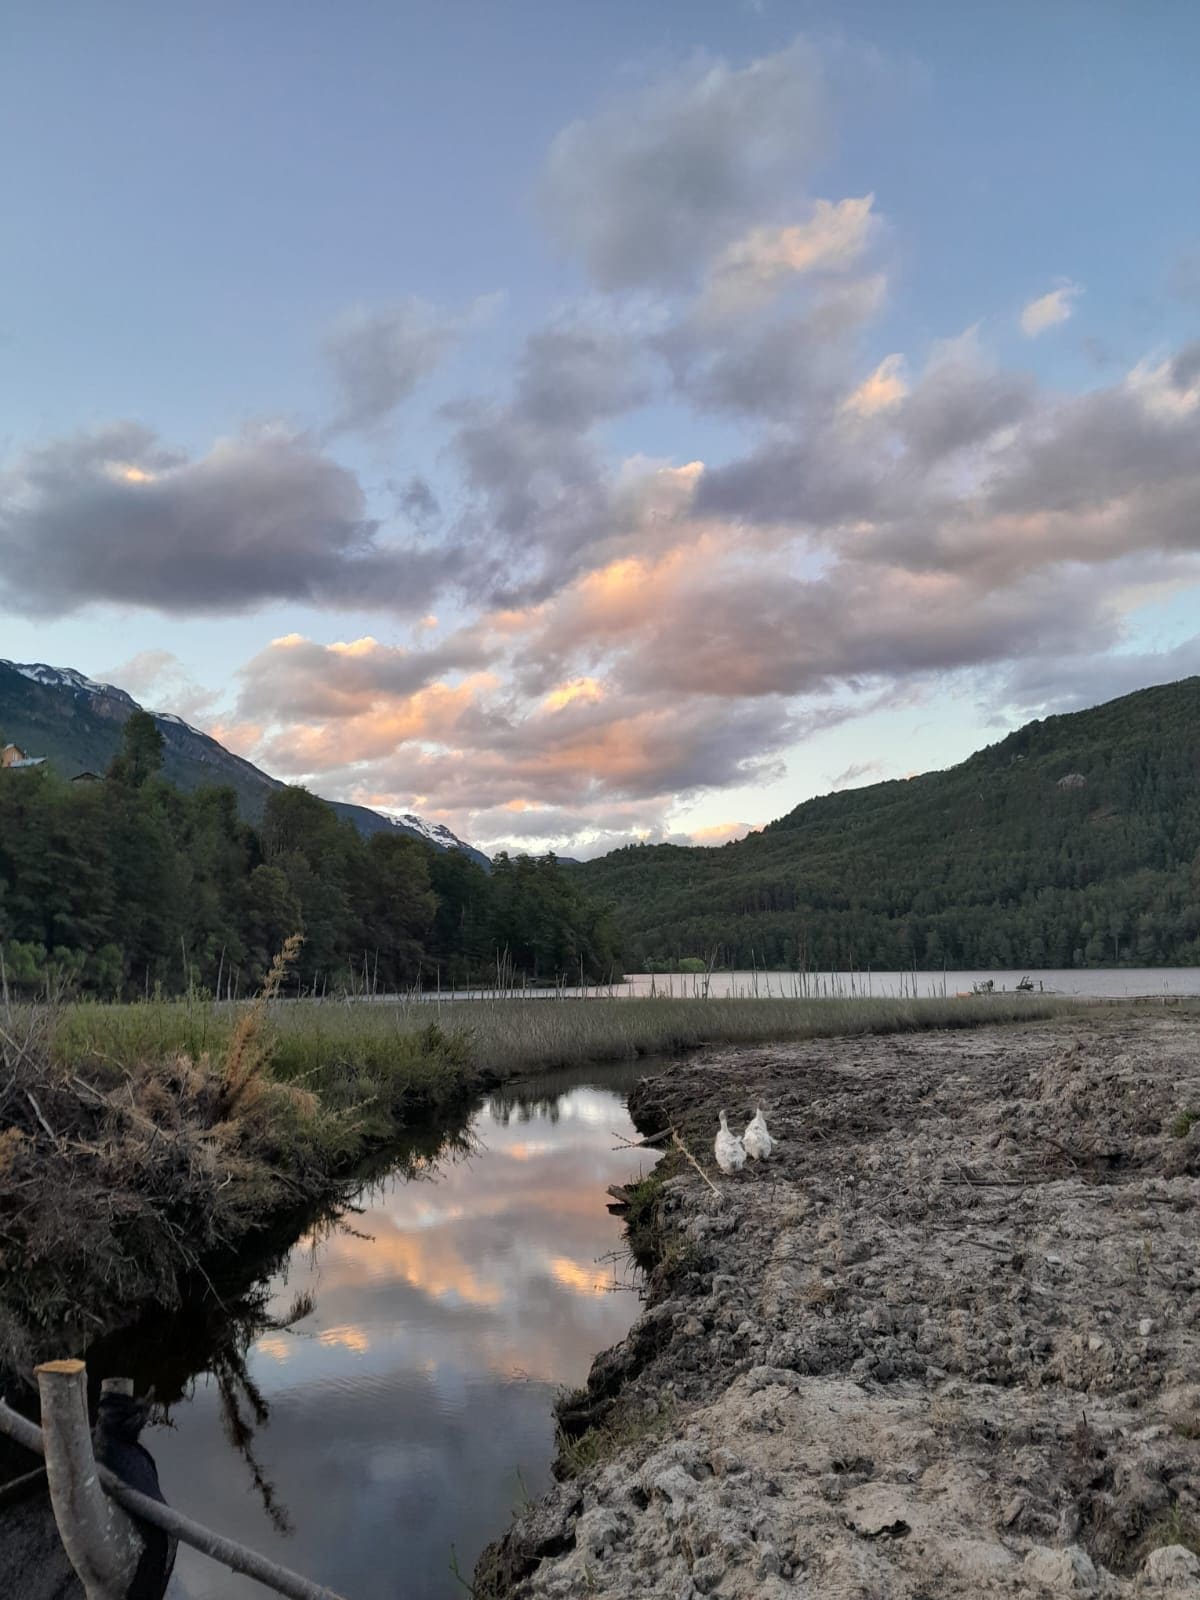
944 1344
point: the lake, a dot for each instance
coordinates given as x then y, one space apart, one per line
397 1424
1097 983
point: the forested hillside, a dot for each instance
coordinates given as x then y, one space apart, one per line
123 885
1073 842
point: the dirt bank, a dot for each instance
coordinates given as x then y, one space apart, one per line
944 1344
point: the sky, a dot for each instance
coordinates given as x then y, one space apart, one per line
581 424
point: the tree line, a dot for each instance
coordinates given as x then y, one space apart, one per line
129 886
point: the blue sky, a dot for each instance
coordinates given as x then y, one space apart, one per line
319 325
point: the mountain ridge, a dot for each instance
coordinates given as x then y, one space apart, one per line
75 722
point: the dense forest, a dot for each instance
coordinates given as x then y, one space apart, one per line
128 885
1073 842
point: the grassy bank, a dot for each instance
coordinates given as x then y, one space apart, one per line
139 1141
327 1044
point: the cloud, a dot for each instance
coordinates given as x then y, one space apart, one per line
734 631
716 616
114 516
646 191
160 680
378 721
378 357
540 494
750 270
1048 687
716 833
296 680
962 402
885 388
416 501
1049 310
793 359
852 776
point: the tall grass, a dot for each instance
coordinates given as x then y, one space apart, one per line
333 1047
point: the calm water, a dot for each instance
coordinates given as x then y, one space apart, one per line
1111 983
409 1411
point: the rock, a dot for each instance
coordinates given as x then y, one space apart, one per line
1068 1571
1174 1568
598 1530
767 1377
1146 1327
546 1530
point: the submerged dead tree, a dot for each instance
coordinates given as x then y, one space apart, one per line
101 1540
98 1513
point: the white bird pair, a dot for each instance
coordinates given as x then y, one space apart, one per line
756 1142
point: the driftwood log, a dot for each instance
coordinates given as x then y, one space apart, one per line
103 1545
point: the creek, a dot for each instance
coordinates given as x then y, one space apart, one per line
374 1405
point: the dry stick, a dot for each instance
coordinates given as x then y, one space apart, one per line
37 1108
678 1142
234 1556
636 1144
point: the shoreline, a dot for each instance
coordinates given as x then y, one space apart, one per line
945 1344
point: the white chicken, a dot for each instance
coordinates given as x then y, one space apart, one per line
756 1141
729 1149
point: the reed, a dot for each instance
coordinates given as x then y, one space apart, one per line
332 1045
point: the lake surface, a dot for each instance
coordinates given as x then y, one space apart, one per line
409 1411
1103 982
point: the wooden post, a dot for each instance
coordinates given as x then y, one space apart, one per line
100 1539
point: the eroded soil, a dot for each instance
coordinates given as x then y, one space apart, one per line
943 1344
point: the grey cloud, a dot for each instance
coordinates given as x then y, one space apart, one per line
565 822
572 378
533 464
959 403
648 189
297 679
817 479
772 365
604 753
160 680
378 357
1098 447
850 776
1185 368
1046 687
1090 478
113 517
417 501
755 634
738 633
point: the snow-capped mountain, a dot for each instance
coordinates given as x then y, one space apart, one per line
76 724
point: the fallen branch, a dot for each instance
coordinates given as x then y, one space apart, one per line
637 1144
38 1112
679 1144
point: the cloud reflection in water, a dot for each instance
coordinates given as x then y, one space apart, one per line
403 1408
